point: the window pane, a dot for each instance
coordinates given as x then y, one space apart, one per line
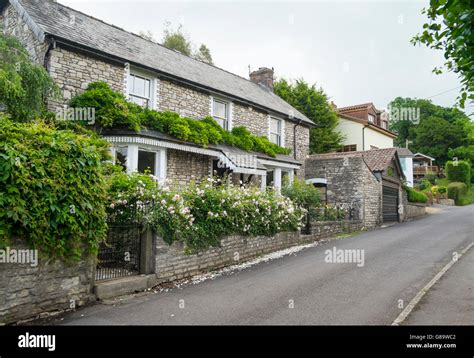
275 138
146 162
140 86
270 178
275 126
140 101
220 109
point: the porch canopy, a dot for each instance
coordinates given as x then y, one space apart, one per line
233 158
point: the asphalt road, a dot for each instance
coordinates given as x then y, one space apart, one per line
303 288
451 299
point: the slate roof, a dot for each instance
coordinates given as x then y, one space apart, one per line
404 152
376 159
72 26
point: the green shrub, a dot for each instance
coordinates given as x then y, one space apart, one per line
415 196
424 184
113 110
52 189
459 172
305 195
431 177
200 215
456 190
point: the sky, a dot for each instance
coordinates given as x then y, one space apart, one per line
357 51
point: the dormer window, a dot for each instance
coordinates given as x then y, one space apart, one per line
371 118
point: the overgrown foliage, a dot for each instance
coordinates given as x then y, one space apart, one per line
415 196
450 29
52 188
200 215
456 191
459 171
113 110
313 103
23 84
305 195
434 131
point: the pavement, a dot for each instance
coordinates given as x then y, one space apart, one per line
304 289
451 300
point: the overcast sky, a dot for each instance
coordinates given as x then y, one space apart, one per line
357 51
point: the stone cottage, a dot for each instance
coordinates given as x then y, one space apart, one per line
78 49
367 183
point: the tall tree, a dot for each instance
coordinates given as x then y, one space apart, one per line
24 85
437 129
177 40
204 54
313 103
450 29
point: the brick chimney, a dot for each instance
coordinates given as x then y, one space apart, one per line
263 77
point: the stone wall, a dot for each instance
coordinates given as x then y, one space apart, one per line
183 100
254 119
14 25
325 229
173 264
73 72
28 292
349 183
184 167
414 210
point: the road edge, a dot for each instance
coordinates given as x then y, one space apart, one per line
409 308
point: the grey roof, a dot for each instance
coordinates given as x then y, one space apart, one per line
68 24
404 152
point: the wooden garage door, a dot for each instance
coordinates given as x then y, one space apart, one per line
390 204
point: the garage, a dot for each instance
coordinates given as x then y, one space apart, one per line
390 203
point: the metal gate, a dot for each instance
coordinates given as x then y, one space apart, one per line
119 256
390 204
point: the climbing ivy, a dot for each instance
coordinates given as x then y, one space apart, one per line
113 110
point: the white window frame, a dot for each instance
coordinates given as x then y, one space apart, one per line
152 100
371 116
280 135
230 109
132 158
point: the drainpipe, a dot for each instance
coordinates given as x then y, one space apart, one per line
363 136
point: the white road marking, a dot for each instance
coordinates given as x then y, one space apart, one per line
409 308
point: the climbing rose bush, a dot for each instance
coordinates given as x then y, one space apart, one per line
200 215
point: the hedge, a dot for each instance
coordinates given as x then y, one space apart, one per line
52 189
456 190
459 172
415 196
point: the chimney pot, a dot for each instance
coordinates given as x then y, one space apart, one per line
263 77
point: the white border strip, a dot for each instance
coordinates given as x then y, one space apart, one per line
406 312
